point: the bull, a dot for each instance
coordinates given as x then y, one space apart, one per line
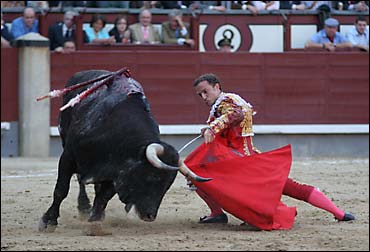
111 139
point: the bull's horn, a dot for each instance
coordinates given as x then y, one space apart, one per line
152 152
189 174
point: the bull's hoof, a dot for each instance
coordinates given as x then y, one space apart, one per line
84 208
84 213
96 229
47 226
94 217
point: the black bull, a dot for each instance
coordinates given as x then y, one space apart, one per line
111 139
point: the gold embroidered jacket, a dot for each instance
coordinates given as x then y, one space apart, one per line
230 110
231 118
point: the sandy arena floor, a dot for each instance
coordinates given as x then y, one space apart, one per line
27 187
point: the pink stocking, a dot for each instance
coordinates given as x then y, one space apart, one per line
215 208
319 200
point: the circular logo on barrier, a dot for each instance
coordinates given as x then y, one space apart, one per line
230 33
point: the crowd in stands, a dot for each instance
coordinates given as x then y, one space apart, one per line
253 6
175 30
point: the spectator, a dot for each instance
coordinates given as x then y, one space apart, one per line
151 4
6 36
244 5
292 5
176 4
113 4
38 4
210 5
352 5
71 4
144 32
12 4
329 38
323 7
359 34
25 24
317 5
340 5
359 6
136 4
120 30
225 45
96 33
62 31
69 46
175 31
145 4
266 5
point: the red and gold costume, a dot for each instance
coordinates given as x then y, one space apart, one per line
247 183
231 118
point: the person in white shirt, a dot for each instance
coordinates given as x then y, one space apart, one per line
266 5
359 34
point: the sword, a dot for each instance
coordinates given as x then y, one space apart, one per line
191 141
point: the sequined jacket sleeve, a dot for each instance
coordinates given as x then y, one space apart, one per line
227 115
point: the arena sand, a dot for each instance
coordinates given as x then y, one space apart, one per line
27 187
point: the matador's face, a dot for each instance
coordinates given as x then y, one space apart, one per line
207 92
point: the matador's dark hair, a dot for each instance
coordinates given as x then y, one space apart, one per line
211 78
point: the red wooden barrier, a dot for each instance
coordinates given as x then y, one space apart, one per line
285 88
9 84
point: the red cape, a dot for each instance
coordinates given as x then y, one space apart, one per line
248 187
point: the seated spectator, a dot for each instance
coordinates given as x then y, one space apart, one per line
62 31
175 31
266 5
323 7
6 36
208 5
120 30
329 38
112 4
292 5
359 34
359 6
225 45
136 4
38 4
25 24
340 5
12 4
69 46
244 5
315 5
96 33
145 4
64 4
151 4
175 4
144 32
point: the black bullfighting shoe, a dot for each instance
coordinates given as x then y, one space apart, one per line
222 218
348 217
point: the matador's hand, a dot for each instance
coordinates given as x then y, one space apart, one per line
208 135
